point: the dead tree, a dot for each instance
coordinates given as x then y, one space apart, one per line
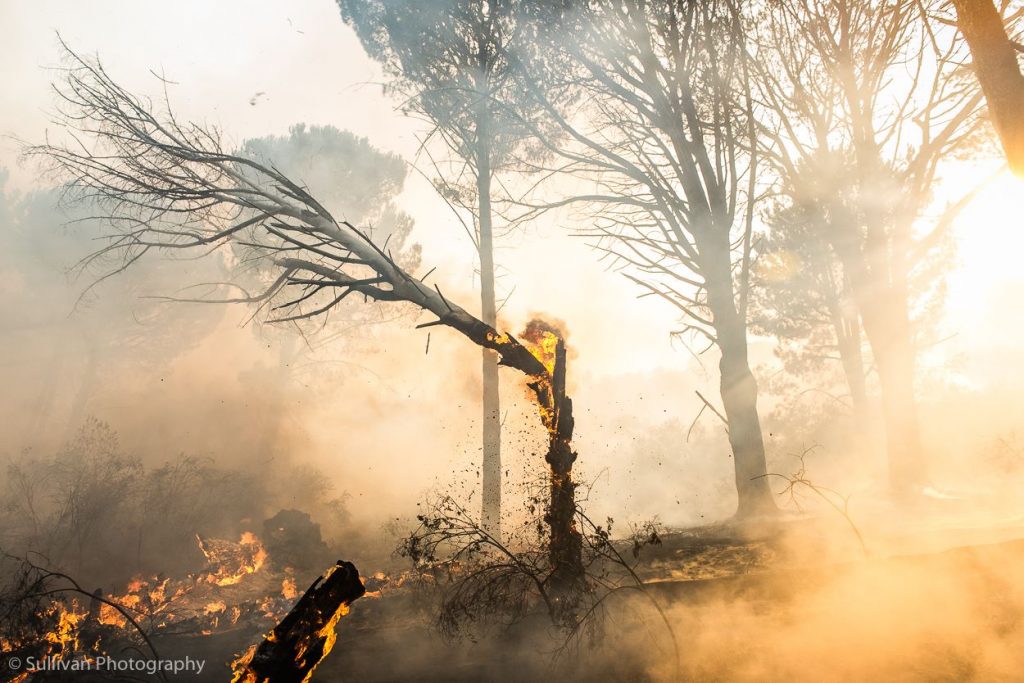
651 106
168 186
306 635
994 57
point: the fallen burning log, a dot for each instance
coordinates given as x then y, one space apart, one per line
293 648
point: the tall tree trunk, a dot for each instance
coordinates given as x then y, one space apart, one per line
848 341
566 543
491 464
738 386
996 67
878 270
853 369
887 327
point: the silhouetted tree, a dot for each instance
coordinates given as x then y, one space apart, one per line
802 298
449 59
652 101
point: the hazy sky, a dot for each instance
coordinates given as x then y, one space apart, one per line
255 68
309 68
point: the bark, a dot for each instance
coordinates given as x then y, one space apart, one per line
852 358
566 544
846 326
995 65
738 386
878 263
491 466
887 326
294 648
878 279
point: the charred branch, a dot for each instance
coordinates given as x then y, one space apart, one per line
294 648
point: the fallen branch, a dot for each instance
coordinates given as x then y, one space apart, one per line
294 648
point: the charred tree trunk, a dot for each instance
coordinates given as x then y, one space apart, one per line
491 465
294 648
998 72
566 543
738 388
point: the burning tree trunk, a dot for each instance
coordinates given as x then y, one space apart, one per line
566 543
294 648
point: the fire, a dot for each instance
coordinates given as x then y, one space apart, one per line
204 603
89 627
330 636
232 562
498 338
327 633
216 606
306 635
541 339
109 616
65 635
545 342
242 672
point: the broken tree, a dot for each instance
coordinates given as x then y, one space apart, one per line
457 82
166 185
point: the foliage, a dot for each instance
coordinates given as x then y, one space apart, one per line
353 179
459 78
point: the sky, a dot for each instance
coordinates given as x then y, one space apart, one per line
301 64
256 68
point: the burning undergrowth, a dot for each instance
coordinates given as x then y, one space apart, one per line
50 616
178 549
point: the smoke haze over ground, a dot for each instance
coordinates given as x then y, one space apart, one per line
360 421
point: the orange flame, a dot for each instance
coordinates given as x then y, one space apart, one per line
233 562
541 339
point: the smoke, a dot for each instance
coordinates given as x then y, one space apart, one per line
359 421
951 616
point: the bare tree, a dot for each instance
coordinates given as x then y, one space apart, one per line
166 185
861 102
651 99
